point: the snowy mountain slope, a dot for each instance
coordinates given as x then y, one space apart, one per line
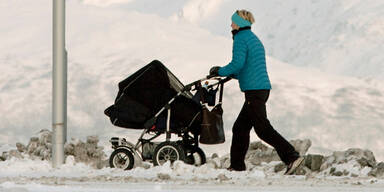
334 112
106 44
101 53
343 37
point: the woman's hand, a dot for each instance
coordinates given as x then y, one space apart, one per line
214 71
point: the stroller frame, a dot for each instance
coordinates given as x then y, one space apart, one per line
127 153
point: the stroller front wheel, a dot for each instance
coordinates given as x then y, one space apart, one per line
167 151
121 158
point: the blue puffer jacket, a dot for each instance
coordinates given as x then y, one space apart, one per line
248 62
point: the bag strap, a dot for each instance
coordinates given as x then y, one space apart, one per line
200 89
221 92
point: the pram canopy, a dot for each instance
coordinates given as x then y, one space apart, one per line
145 92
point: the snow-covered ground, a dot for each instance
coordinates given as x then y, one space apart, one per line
39 176
269 186
26 172
324 58
166 187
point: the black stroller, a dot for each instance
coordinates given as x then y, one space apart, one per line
154 100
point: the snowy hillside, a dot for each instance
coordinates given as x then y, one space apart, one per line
336 36
107 43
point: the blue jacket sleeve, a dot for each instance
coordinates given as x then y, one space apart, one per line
239 54
234 76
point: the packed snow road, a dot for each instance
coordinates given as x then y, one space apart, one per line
293 184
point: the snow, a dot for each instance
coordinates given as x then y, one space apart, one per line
6 147
324 60
140 187
33 175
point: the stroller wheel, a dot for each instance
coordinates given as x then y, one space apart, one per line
167 151
195 155
121 158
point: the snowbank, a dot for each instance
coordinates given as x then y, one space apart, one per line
261 160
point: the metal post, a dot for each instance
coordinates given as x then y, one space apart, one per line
59 84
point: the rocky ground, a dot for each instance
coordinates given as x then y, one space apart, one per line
353 163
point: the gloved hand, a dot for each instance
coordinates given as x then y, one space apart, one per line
214 71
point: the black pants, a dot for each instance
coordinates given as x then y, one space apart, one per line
254 114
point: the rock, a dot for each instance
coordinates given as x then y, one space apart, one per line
45 152
21 147
32 146
214 163
302 170
47 155
222 177
4 155
45 137
34 139
99 152
362 158
40 147
38 151
80 153
91 149
332 170
88 153
259 153
279 167
163 176
337 173
15 153
225 162
92 139
258 156
324 166
365 162
366 155
249 165
301 146
377 171
257 145
69 149
214 155
314 162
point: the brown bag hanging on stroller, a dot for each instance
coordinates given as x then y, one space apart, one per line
212 127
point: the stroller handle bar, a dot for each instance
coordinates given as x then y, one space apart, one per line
148 124
220 80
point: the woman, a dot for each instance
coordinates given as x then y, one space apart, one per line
249 67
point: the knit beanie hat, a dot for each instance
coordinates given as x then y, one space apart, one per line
239 21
